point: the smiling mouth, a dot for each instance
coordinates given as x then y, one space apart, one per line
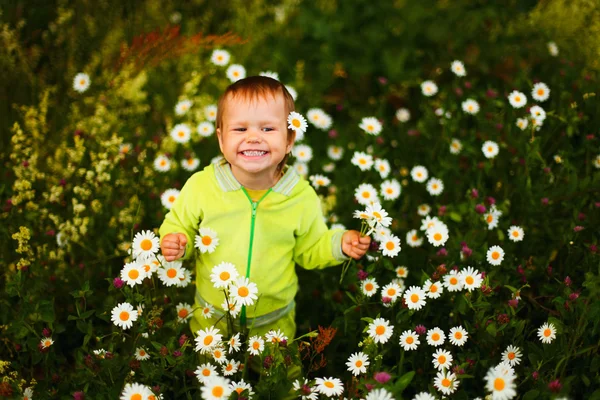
254 153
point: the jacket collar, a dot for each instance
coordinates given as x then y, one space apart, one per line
228 183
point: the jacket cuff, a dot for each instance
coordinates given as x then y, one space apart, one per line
336 246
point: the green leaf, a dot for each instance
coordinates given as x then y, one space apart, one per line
87 314
403 382
352 297
491 329
454 216
46 310
531 395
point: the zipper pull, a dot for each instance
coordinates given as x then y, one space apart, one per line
254 204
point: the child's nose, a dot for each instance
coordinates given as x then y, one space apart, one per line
253 136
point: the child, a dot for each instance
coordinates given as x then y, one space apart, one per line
266 217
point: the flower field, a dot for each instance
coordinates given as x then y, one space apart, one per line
462 137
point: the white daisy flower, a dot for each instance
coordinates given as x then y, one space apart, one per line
453 281
403 115
446 382
256 345
302 152
220 57
162 163
184 312
423 210
370 125
292 92
380 330
243 291
230 367
301 168
423 396
512 355
210 112
145 245
392 290
552 49
429 88
383 167
357 363
517 99
47 342
216 388
232 307
379 394
270 74
492 217
28 393
390 189
390 246
537 113
413 239
329 167
596 161
455 146
435 186
190 164
329 386
501 386
369 287
134 391
362 160
181 133
205 371
419 173
275 336
168 197
458 68
133 273
414 298
141 354
547 333
319 181
409 340
235 72
429 222
206 241
437 235
495 255
458 336
378 216
205 129
433 289
319 118
522 123
401 271
207 310
207 339
515 233
186 279
470 278
537 123
182 107
540 92
435 337
81 82
234 343
335 152
124 315
218 354
470 106
490 149
125 148
442 359
170 273
366 194
297 123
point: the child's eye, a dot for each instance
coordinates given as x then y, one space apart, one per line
240 129
268 129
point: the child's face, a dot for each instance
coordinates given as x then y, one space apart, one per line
254 138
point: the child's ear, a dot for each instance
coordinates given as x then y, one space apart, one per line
291 140
220 139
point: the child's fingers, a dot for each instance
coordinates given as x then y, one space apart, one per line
170 245
365 239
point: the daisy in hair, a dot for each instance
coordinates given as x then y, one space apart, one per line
379 394
234 343
403 115
220 57
453 281
433 289
365 194
135 391
435 337
492 217
335 152
390 246
429 88
329 386
537 113
171 273
409 340
470 106
490 149
235 72
240 387
184 312
380 330
419 173
190 163
501 386
540 92
357 363
256 345
292 92
207 339
243 292
377 216
552 48
424 396
423 210
446 382
270 74
547 333
414 298
123 315
181 133
275 336
297 123
435 186
205 129
390 189
362 160
216 388
162 163
230 367
383 167
369 287
47 342
232 307
495 255
218 354
205 371
458 68
223 274
522 123
302 152
81 82
206 241
512 355
370 125
182 107
442 359
401 271
458 336
455 146
437 235
470 278
168 197
517 99
392 290
319 180
133 273
413 239
141 354
145 245
210 112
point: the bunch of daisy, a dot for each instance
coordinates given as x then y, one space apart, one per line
436 231
239 291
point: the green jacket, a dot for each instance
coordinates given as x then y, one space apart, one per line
288 228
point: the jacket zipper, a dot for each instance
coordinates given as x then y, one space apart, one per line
254 205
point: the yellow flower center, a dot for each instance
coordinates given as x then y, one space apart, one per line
217 391
410 340
163 163
362 161
453 281
181 133
359 364
255 345
183 313
133 274
511 356
435 336
82 82
469 280
376 215
206 372
489 218
442 359
499 384
390 245
433 289
547 332
391 292
124 316
515 233
389 190
366 195
296 123
329 384
206 240
446 382
414 298
490 149
171 199
495 255
369 287
171 273
243 291
208 340
136 396
457 335
146 244
224 275
437 236
142 353
517 98
380 330
217 354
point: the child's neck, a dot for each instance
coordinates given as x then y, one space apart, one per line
255 181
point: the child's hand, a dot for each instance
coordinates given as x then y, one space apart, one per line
173 246
354 245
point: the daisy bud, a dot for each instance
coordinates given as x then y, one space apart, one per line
578 228
474 193
480 209
413 132
382 377
467 252
555 386
574 296
108 355
118 283
458 91
190 373
78 396
182 339
134 364
46 332
568 282
420 329
362 274
535 375
177 353
513 303
369 386
491 200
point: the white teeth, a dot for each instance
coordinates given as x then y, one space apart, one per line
254 153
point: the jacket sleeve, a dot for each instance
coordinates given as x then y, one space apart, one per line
316 246
185 214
